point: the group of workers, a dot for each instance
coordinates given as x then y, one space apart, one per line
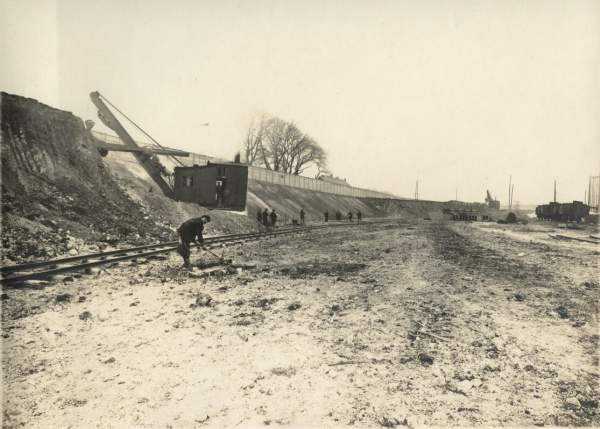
349 216
266 219
191 231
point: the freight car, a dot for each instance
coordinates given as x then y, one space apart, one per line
456 214
563 212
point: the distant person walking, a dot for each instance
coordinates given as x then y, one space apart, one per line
302 215
338 215
191 231
358 216
273 217
326 216
349 216
265 218
259 216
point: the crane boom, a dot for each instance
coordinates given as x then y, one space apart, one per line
150 164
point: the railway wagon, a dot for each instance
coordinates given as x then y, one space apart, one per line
563 212
215 185
468 215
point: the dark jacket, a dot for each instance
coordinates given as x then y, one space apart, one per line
191 230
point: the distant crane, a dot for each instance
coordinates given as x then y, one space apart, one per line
491 202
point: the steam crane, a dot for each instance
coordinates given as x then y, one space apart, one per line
221 185
145 156
491 202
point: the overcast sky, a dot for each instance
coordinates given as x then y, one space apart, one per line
460 94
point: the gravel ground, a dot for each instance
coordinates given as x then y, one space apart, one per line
404 324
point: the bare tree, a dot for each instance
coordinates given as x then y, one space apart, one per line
279 145
305 152
251 146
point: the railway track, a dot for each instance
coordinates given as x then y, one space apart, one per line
15 275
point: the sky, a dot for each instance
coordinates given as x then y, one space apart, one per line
459 95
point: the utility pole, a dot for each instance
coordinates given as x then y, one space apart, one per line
512 194
509 190
555 191
417 190
589 192
456 197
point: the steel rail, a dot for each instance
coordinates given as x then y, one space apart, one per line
39 264
19 274
124 255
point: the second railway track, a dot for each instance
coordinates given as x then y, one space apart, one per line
15 275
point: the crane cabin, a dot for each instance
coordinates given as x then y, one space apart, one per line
215 185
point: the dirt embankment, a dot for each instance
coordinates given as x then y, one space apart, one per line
288 201
57 193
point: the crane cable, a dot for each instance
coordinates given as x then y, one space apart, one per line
139 128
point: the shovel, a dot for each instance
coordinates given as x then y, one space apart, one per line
220 258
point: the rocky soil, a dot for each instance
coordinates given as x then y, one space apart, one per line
406 324
56 190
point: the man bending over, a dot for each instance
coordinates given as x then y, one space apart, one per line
191 231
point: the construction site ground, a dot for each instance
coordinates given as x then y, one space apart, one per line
407 323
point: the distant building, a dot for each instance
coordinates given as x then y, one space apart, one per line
334 180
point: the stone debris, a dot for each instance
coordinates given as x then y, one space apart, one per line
572 403
519 296
294 306
63 297
202 300
85 315
425 359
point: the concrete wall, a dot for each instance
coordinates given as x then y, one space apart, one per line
301 182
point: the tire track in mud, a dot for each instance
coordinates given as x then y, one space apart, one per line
500 261
534 361
386 328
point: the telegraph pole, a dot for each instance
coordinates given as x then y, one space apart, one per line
509 191
512 194
555 191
